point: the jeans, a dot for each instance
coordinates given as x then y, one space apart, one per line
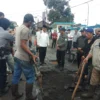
27 68
3 76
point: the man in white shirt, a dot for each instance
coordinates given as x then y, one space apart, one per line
69 40
37 38
43 43
75 37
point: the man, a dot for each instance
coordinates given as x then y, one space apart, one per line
43 43
54 38
22 59
97 33
5 39
1 15
80 45
61 47
95 77
69 41
75 37
37 38
88 43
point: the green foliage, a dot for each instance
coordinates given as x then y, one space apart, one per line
59 11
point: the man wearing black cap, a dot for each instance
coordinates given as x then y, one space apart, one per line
5 39
80 44
22 59
43 43
61 47
88 43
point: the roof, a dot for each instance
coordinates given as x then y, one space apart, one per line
62 23
95 26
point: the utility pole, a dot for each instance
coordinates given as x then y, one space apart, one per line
87 9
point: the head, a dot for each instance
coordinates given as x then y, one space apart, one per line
89 33
83 32
68 31
76 31
28 20
1 15
44 28
62 30
4 23
97 31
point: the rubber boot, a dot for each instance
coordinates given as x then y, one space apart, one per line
15 92
29 96
90 92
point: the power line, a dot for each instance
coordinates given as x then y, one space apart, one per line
81 4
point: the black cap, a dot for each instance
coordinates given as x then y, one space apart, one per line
4 23
82 30
62 29
1 14
28 18
68 30
44 26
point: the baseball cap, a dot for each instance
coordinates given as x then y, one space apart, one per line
4 23
62 29
28 18
44 26
82 30
90 30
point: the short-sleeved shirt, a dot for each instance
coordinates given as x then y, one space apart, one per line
95 52
22 33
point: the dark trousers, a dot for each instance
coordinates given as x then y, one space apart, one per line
3 76
61 58
53 43
42 53
74 45
79 56
37 49
69 45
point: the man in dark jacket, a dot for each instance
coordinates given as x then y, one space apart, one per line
5 39
61 48
80 44
88 43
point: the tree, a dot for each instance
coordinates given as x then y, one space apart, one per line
59 11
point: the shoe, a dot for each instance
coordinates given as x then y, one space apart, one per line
29 89
90 92
15 93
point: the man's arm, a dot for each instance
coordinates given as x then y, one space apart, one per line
9 37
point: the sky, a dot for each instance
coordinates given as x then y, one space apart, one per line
16 9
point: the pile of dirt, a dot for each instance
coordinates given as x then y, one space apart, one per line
54 85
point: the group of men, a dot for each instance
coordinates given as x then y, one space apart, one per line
87 45
22 56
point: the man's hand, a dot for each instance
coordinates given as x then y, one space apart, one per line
86 60
83 58
34 58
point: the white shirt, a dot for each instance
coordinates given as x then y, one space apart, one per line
58 35
44 39
70 37
75 37
38 37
